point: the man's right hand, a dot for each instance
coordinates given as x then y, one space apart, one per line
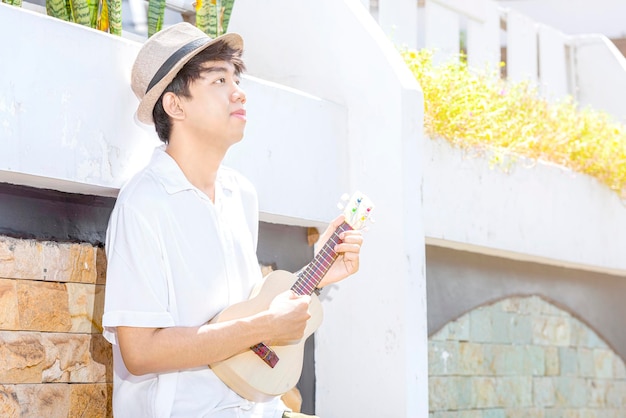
289 316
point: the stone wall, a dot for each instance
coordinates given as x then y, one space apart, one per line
54 361
523 357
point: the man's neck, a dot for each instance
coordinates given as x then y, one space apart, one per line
198 163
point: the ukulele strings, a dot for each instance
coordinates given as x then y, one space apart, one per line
310 277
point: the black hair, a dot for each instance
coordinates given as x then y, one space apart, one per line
191 71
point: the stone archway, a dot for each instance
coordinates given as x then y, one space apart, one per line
524 357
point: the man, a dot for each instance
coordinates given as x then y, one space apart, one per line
181 242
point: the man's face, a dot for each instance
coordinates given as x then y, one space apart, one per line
215 109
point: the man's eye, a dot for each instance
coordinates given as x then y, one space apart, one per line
221 80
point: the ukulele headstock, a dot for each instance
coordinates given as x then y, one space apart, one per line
357 210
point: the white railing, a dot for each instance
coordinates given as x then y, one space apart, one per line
588 68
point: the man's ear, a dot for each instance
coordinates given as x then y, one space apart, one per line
172 106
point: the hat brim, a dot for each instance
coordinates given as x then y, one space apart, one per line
146 105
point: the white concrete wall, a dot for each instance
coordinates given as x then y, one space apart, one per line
479 20
374 329
576 17
483 38
70 125
601 71
526 210
442 32
473 9
555 68
291 151
399 21
62 106
521 52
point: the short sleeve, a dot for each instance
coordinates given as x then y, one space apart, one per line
136 284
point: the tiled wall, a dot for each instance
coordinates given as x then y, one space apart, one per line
523 357
54 361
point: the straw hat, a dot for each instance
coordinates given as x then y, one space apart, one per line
162 56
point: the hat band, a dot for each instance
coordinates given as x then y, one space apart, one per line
174 58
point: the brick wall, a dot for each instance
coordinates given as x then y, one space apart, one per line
523 357
54 361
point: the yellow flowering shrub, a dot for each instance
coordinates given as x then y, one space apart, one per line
473 109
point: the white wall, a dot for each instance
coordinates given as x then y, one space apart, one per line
525 210
69 125
603 89
398 20
291 151
375 325
62 105
576 16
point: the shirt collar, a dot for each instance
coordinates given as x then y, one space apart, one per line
172 177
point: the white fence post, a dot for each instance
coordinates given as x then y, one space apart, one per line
398 19
442 31
553 64
483 38
600 74
521 56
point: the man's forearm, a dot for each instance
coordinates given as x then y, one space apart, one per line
156 350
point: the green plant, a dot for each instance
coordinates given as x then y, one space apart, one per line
156 10
477 109
105 15
212 16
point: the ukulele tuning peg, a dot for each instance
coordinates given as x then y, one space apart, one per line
345 197
341 206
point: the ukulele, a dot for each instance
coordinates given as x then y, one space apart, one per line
263 372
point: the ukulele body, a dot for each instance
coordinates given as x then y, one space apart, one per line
246 373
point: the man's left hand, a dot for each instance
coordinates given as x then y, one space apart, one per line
348 251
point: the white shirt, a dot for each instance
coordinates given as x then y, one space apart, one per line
177 259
